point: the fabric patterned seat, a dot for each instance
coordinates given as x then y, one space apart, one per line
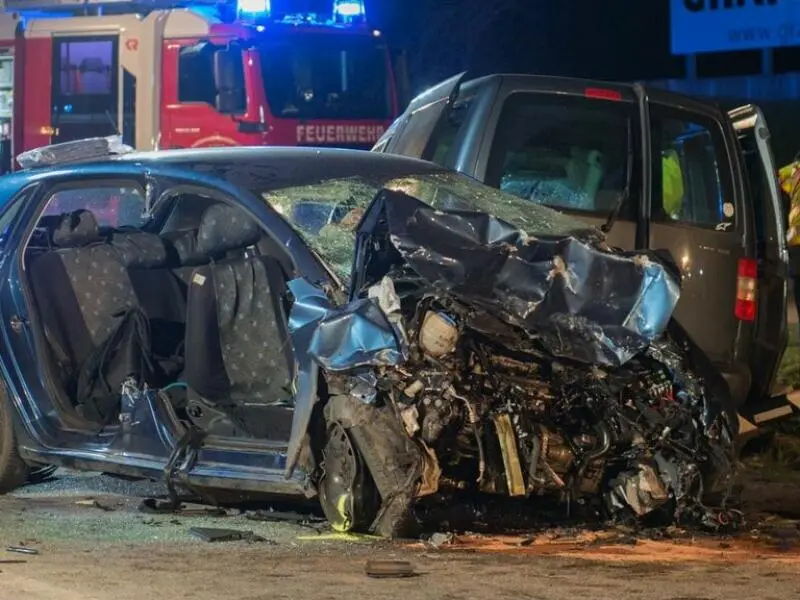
237 344
79 287
83 287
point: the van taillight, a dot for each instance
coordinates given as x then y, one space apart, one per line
746 289
602 94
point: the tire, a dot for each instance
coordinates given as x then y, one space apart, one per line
367 463
347 493
13 470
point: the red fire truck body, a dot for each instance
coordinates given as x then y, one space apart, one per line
184 78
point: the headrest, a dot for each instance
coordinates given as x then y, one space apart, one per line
139 249
75 229
224 228
184 244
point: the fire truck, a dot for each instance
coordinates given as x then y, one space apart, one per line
177 75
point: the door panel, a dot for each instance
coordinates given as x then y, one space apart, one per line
765 195
697 216
707 261
190 118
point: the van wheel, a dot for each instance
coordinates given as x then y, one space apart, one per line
347 493
13 470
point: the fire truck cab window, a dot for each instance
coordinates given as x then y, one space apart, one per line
196 74
326 77
85 87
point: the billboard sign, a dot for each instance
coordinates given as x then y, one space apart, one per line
724 25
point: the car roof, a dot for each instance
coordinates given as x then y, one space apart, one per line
276 154
266 166
287 166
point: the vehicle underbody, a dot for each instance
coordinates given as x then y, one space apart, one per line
474 359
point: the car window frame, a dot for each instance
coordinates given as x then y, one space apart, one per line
101 181
16 206
658 112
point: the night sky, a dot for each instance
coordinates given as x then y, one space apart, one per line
608 39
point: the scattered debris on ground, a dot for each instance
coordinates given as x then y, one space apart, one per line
22 550
384 569
437 540
94 503
276 516
213 534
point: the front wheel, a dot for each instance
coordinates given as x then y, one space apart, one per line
347 493
13 470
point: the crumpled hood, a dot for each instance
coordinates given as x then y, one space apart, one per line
576 300
583 303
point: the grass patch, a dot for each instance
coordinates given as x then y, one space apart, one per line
789 373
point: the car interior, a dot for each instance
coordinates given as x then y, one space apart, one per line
191 302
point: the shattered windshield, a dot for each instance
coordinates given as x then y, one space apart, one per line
327 214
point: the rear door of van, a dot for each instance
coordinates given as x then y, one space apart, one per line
772 255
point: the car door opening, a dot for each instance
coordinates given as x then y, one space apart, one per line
196 310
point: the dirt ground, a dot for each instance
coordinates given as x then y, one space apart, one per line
94 544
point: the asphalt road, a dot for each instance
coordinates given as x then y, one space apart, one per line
94 543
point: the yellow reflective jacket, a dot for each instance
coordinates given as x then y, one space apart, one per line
672 179
789 177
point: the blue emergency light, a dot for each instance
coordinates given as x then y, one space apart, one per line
253 7
349 10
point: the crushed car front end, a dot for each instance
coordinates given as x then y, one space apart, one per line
476 358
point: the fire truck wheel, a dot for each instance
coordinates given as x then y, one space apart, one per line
13 470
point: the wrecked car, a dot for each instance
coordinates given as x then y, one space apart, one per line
370 330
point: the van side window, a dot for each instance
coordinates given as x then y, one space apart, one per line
689 186
440 148
564 152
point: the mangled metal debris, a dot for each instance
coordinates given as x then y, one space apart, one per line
517 365
215 534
